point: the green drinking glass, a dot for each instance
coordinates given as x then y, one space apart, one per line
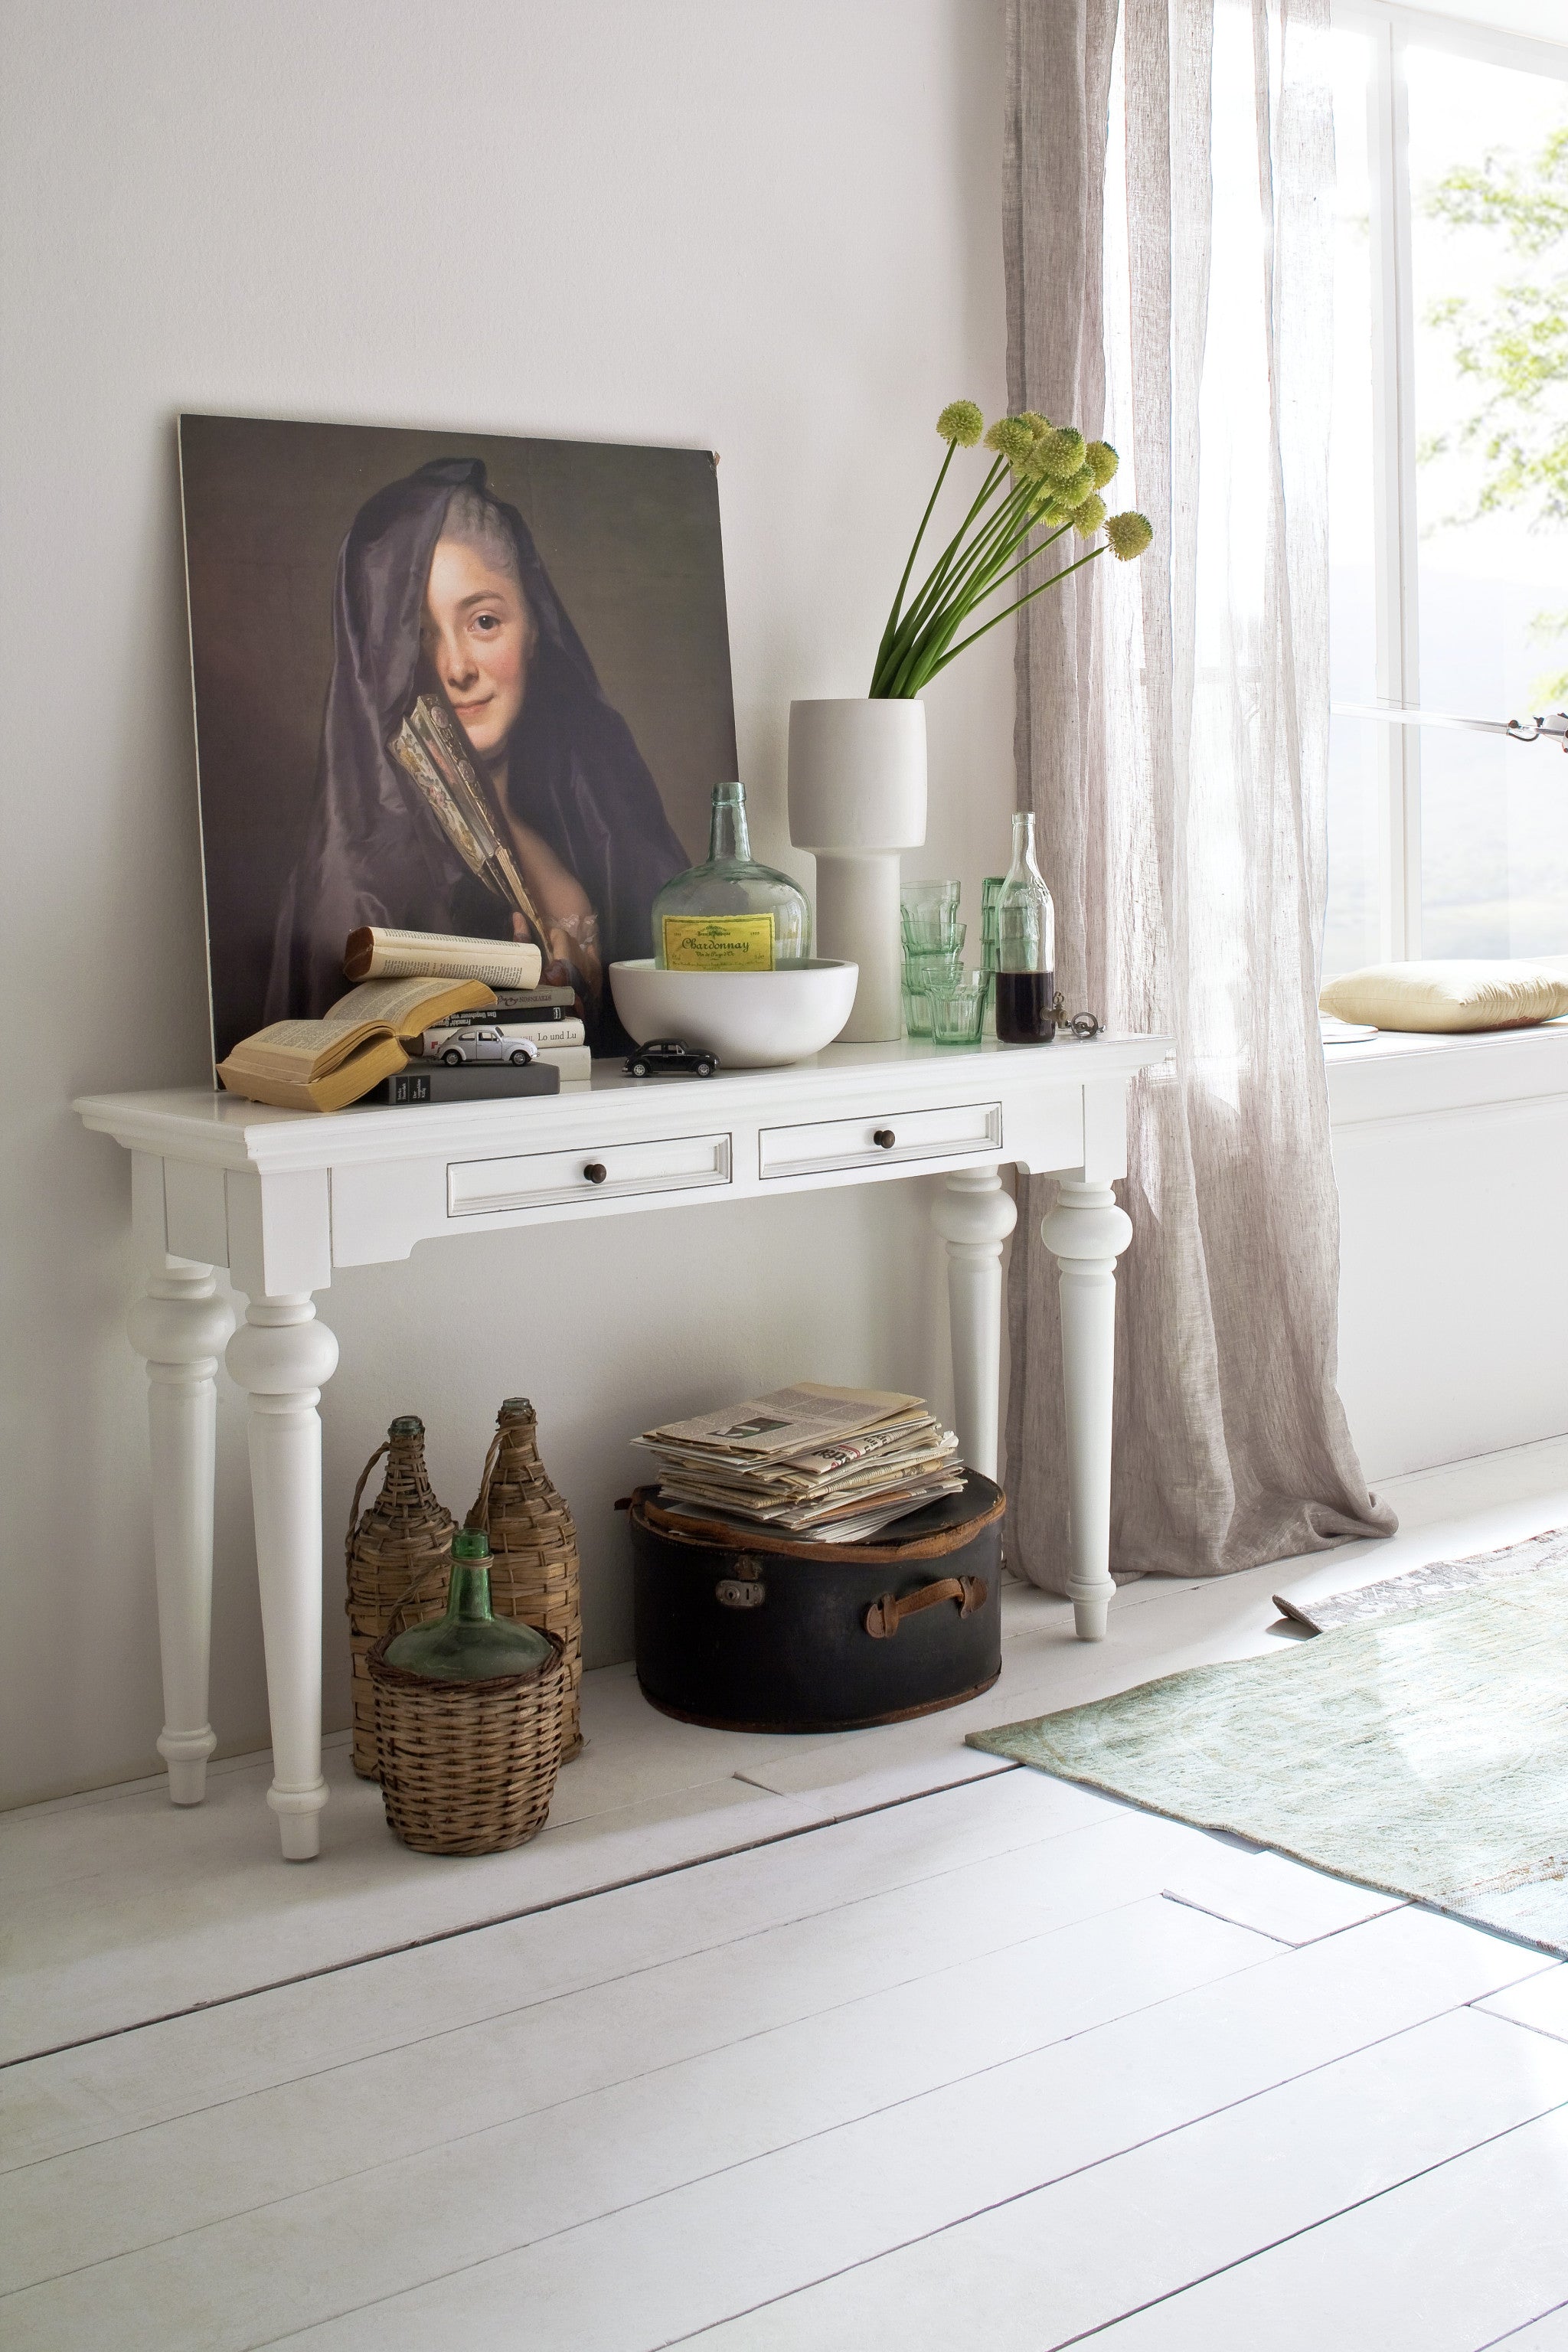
958 1010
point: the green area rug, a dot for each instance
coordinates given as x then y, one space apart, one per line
1424 1753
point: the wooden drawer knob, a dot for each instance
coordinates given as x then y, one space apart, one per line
595 1172
884 1138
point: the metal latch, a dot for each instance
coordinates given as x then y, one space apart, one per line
746 1591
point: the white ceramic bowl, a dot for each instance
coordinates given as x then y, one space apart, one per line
751 1020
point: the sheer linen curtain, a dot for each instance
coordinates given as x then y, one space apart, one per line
1170 165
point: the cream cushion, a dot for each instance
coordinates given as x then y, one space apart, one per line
1453 995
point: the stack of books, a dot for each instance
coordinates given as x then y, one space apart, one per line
831 1464
542 1015
431 1020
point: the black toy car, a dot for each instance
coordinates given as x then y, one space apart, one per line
670 1054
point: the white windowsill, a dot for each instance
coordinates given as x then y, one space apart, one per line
1398 1075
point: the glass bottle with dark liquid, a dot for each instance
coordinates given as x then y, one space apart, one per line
1026 947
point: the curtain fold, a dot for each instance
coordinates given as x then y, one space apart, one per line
1170 166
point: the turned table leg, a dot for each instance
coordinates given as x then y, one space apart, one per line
283 1357
974 1216
1085 1234
179 1327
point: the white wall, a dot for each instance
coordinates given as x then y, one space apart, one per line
769 229
1452 1160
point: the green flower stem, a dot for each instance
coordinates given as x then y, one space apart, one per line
948 592
898 601
997 579
938 578
1018 607
939 648
1007 527
901 627
1014 525
983 574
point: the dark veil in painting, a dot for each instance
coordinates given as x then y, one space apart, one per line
439 601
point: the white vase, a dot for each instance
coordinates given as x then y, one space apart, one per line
857 798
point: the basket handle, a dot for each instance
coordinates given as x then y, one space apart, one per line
480 1517
884 1616
422 1577
384 1447
415 1583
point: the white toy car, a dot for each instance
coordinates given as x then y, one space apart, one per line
473 1044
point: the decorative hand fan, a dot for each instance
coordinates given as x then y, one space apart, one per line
429 748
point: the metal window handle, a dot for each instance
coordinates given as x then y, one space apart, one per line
595 1172
1551 724
884 1138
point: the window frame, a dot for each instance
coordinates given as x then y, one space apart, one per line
1392 29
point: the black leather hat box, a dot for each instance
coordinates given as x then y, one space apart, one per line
747 1630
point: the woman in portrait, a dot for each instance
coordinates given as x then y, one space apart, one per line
440 592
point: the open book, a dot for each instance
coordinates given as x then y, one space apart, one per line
372 953
322 1064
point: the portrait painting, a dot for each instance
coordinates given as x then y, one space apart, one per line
541 623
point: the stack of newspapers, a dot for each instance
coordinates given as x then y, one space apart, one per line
831 1464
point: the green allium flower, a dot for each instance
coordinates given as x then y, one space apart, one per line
960 421
1011 438
1102 461
1061 453
1088 516
1129 535
1077 486
1038 425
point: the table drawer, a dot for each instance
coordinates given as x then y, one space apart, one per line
877 1138
540 1180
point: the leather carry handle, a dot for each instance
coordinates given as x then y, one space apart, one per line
884 1616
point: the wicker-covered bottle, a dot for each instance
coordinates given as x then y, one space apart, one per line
534 1572
398 1557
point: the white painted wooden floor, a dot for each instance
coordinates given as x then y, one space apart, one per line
876 2045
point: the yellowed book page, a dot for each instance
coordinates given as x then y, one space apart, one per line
294 1051
374 953
379 1057
406 1006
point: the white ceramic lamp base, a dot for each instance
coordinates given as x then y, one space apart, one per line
857 798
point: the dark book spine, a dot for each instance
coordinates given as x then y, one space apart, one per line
431 1082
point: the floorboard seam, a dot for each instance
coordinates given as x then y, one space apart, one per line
1523 2023
532 2115
1356 2205
1492 2340
827 2132
603 1984
1208 1911
502 1919
1019 2196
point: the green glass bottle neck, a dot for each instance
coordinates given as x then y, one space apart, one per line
729 838
468 1593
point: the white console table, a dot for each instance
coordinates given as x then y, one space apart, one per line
281 1200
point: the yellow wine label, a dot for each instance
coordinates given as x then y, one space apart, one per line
719 943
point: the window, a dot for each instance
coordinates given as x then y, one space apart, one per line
1448 521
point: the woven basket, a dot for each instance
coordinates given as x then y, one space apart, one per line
534 1574
466 1768
397 1558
